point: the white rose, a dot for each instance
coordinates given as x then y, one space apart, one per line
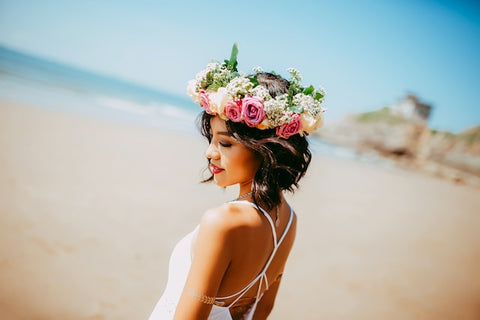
218 100
192 91
309 123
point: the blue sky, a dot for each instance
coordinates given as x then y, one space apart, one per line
367 54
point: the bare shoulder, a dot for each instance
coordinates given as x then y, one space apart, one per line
217 230
223 218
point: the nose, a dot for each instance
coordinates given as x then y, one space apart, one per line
212 152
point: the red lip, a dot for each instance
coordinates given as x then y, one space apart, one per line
215 169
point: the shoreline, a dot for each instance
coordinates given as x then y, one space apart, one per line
121 113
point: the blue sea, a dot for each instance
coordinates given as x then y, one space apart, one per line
35 81
38 82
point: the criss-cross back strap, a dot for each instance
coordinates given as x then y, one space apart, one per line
262 276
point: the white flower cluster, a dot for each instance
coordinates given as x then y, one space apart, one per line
308 103
239 87
295 74
258 70
212 70
322 91
261 92
221 75
275 110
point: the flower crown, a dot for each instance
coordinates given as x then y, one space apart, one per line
221 90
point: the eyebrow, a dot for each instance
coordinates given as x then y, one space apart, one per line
224 133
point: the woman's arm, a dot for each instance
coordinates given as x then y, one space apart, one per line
210 261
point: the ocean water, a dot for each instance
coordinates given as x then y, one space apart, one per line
34 81
38 82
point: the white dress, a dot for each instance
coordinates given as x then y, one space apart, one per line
179 266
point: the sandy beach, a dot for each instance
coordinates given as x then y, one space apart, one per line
90 210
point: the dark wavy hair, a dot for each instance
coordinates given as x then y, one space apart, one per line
283 161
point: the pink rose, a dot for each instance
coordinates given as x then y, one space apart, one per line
290 128
252 111
233 110
205 102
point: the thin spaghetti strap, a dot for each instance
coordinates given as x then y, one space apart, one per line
290 220
277 245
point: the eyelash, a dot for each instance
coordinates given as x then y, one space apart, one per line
225 145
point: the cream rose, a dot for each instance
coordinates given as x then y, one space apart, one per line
192 91
309 123
265 124
218 100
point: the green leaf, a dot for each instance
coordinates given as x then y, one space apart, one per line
296 109
214 86
295 88
318 96
254 81
308 90
233 55
291 93
232 63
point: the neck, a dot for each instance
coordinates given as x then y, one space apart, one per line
245 188
244 196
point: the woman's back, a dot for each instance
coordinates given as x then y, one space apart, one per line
254 242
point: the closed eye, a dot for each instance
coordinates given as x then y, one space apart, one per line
225 144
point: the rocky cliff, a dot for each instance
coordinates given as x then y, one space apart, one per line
411 142
460 151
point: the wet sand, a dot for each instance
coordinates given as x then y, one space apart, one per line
90 210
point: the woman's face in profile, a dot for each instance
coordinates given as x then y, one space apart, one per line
230 161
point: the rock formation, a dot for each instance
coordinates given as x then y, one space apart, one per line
405 137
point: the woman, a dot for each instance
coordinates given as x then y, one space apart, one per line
231 265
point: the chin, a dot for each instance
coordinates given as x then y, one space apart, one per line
222 183
219 182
